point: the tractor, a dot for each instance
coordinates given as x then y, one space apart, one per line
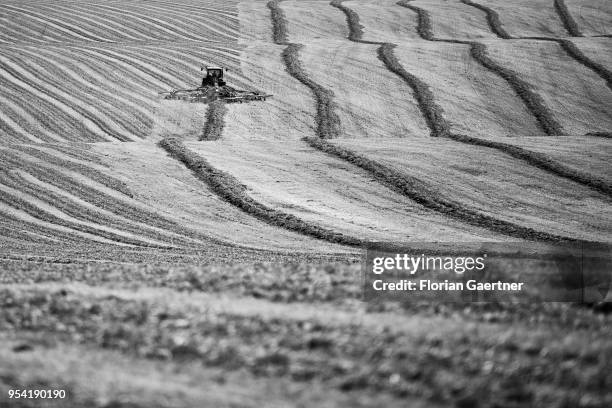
214 87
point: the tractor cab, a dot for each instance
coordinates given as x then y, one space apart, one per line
214 77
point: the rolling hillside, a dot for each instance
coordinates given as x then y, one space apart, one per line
157 253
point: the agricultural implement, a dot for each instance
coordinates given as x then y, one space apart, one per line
215 88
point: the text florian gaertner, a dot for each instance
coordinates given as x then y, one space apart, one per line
405 265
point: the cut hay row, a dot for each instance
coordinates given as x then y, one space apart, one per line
38 225
179 196
541 161
354 71
118 22
98 175
57 197
231 190
328 123
581 105
95 94
24 231
352 20
122 209
566 17
532 100
572 50
421 193
592 16
451 20
62 100
528 18
12 131
440 127
311 20
296 179
33 116
70 202
569 47
63 27
31 206
182 25
430 110
97 79
493 20
383 21
215 120
65 204
43 106
279 23
312 343
123 117
474 100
